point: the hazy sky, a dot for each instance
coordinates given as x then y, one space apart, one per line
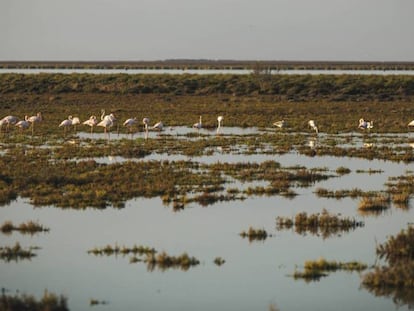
377 30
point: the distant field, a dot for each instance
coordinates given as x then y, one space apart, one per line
212 64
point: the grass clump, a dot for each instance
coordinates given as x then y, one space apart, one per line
397 278
316 269
16 252
219 261
374 204
323 223
30 227
254 234
164 261
48 302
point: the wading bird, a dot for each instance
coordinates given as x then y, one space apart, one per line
75 121
66 124
9 120
364 125
158 126
146 121
312 124
92 121
198 125
106 123
411 123
280 124
130 123
219 120
23 124
35 119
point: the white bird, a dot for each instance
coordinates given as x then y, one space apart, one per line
130 123
312 124
365 124
108 116
9 120
198 125
92 121
75 121
280 124
146 121
158 126
106 124
219 120
35 119
411 123
66 123
23 124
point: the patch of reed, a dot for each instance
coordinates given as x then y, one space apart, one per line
376 203
49 301
163 261
254 234
219 261
324 223
16 252
316 269
30 227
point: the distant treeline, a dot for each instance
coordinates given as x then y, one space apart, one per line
287 87
212 64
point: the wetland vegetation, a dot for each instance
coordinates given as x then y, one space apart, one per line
316 269
184 169
23 302
321 224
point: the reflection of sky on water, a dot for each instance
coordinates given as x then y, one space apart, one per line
254 275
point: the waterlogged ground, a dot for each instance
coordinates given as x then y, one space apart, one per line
256 275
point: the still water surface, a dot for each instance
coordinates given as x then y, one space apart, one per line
255 275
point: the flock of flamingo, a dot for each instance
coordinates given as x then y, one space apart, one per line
108 120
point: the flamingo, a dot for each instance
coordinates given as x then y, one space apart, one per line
158 126
365 124
110 117
9 120
75 121
92 121
146 121
219 120
411 123
35 119
198 125
130 123
66 123
280 124
312 124
23 124
106 124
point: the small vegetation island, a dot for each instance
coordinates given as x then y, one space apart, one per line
153 258
396 278
22 302
321 224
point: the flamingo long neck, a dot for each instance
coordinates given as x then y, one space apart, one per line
103 114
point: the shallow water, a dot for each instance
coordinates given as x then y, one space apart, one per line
255 275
